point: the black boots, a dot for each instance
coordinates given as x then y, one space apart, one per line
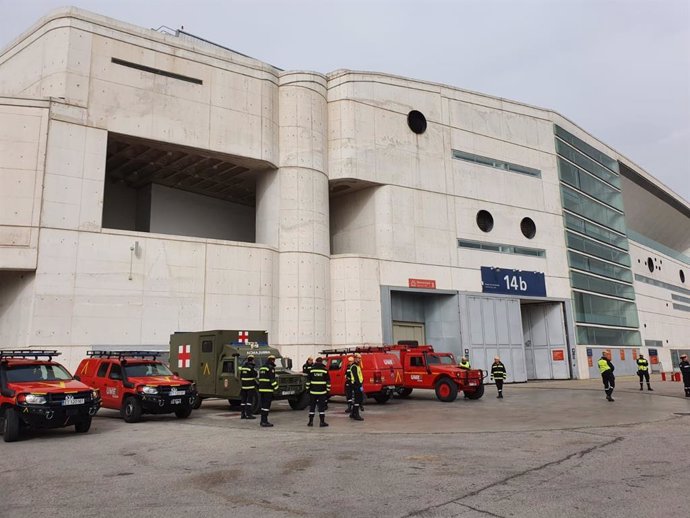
322 418
349 407
649 387
641 386
355 414
311 420
609 392
264 420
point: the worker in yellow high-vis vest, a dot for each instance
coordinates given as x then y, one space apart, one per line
643 371
607 377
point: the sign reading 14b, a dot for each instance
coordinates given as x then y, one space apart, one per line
513 282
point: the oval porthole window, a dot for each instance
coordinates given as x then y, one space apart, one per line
485 221
650 264
529 229
416 121
682 276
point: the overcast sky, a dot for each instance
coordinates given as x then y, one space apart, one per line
618 68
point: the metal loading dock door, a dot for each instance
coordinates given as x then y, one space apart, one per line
492 326
546 350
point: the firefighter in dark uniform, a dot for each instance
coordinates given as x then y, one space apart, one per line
499 375
354 374
643 371
348 386
247 387
319 386
684 366
307 365
606 369
267 386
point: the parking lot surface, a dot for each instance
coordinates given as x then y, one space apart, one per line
548 449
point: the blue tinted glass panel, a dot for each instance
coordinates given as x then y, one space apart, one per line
594 231
590 209
608 336
591 247
592 309
588 150
587 163
589 264
597 285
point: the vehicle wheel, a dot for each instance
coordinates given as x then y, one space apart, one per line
479 392
197 403
10 427
184 412
132 410
381 399
403 392
301 402
83 426
446 390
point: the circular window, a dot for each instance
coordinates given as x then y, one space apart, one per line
485 221
682 276
650 264
529 229
416 121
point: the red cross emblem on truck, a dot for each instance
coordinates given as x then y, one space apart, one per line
244 337
184 356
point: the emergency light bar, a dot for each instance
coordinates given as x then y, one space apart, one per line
29 353
124 354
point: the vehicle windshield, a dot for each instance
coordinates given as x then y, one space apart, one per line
28 373
281 363
142 370
435 359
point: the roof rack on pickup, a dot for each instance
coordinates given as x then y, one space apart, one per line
29 353
379 349
124 354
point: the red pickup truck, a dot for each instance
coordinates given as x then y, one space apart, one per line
381 371
424 368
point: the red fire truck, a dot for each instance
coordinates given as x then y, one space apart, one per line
424 368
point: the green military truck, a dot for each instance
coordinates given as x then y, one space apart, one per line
211 359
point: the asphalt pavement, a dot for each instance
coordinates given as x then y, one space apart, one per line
547 449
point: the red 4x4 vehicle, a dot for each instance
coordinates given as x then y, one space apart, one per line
40 393
427 369
135 382
381 370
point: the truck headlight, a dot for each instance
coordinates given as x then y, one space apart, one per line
33 399
146 389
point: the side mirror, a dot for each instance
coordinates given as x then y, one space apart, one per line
289 363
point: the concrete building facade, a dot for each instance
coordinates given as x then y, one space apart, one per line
153 183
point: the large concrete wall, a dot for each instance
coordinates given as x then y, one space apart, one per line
23 132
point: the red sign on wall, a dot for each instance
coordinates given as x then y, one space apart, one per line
558 355
590 361
622 354
421 283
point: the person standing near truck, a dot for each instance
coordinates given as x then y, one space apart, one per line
318 385
307 365
348 386
248 387
606 369
354 375
684 366
498 374
643 371
267 386
464 363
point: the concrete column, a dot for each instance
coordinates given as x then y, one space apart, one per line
292 215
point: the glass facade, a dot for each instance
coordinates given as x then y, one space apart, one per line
600 275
